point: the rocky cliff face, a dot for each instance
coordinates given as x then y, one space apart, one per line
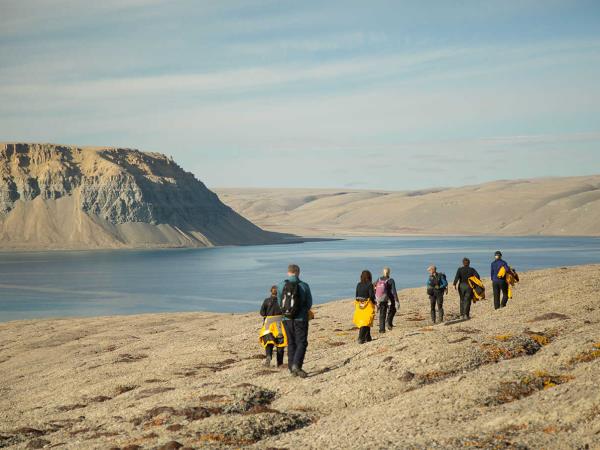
69 197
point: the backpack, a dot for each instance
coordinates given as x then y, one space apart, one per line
443 281
381 288
290 300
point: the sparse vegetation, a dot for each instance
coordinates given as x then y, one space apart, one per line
525 386
587 355
503 337
508 347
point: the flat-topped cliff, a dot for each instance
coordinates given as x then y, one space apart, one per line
54 196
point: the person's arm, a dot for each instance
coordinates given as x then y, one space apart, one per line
356 293
476 274
428 283
492 271
280 292
393 288
263 309
371 293
309 299
456 278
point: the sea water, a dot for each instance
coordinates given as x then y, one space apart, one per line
237 279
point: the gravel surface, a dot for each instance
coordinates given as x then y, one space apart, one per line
522 377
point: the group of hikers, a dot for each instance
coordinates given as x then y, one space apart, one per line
287 311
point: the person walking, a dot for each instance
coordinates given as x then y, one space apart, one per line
364 307
461 283
271 313
295 300
499 269
437 285
387 300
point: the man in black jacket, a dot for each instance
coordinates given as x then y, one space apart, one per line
296 327
464 290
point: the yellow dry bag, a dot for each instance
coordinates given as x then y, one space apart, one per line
273 332
364 313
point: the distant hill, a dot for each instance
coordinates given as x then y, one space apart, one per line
545 206
65 197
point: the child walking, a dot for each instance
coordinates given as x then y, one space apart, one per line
272 334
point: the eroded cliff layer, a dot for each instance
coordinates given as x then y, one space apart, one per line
54 196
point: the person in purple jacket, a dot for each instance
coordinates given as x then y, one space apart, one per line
499 284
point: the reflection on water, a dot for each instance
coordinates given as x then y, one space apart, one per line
236 279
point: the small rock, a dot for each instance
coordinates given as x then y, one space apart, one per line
171 445
37 443
407 376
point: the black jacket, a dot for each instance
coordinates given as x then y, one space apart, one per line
463 274
270 307
365 290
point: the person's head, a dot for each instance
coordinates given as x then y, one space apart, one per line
386 272
293 269
366 277
432 269
498 254
466 262
273 291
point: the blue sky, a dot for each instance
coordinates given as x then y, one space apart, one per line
345 94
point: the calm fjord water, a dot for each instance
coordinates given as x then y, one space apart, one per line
236 279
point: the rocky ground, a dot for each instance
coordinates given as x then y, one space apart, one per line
522 377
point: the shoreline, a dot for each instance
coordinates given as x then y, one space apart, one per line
300 240
224 313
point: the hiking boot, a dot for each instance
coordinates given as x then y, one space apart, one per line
301 373
297 372
389 327
382 331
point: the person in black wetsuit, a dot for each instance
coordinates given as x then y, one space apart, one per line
464 290
365 291
270 307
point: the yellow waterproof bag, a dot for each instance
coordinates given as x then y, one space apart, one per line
511 278
502 272
273 332
477 287
364 313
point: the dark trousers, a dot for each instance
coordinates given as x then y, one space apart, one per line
437 298
364 335
386 314
500 286
269 353
297 335
466 295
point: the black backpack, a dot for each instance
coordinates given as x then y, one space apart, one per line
290 300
